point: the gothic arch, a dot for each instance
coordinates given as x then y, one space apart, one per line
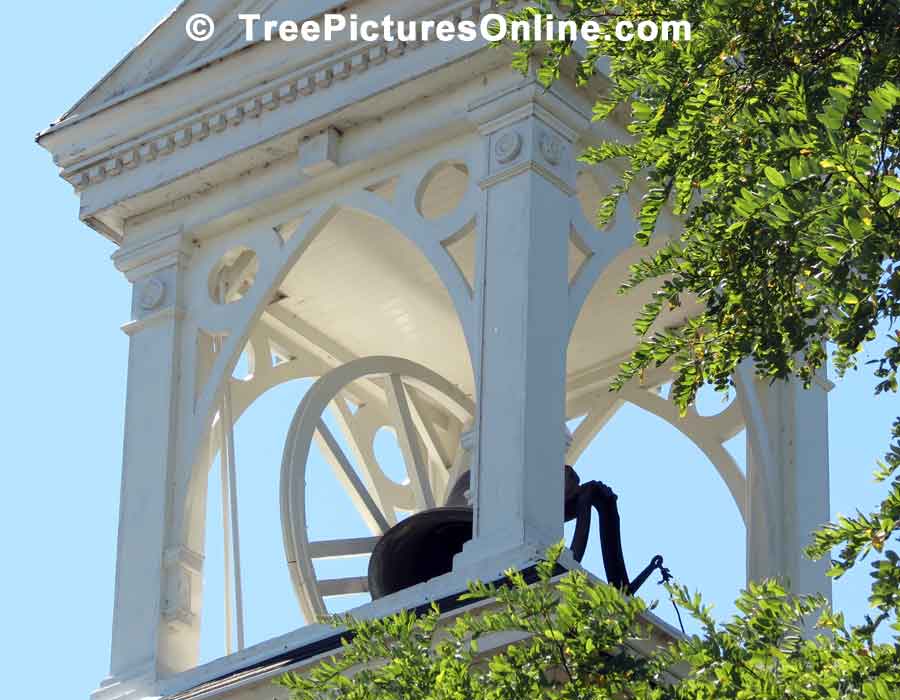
279 243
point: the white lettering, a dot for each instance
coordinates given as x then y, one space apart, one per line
427 25
590 31
467 31
288 31
568 30
333 25
368 30
387 28
249 21
493 27
647 30
446 30
520 30
675 30
310 31
624 35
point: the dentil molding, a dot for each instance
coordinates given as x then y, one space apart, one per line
233 113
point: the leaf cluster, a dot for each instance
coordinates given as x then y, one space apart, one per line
774 135
570 637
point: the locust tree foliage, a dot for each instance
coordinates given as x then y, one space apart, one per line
578 639
773 135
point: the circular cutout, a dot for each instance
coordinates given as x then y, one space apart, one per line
442 190
233 276
388 455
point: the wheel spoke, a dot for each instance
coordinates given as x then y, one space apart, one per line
431 440
344 418
339 549
345 472
416 467
352 585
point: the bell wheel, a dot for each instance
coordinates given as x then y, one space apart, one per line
426 412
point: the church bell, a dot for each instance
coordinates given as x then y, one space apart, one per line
423 545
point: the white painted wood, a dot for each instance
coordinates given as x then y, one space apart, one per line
360 496
788 479
338 549
233 532
462 462
523 300
416 468
227 579
155 621
308 425
229 280
344 586
426 430
354 436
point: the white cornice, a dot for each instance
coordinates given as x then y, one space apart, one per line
252 104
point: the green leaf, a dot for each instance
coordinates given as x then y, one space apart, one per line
775 177
889 199
781 212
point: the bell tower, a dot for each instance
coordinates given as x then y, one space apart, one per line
406 225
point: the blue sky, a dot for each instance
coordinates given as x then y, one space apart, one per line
61 424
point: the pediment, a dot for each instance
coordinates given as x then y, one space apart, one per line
166 51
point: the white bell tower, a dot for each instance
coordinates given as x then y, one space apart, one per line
409 225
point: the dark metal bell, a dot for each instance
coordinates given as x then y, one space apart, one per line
422 547
419 548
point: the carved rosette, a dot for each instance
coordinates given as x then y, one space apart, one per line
152 294
551 148
508 147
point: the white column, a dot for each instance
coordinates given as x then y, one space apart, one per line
153 586
522 296
787 479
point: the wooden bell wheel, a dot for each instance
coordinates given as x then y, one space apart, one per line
427 413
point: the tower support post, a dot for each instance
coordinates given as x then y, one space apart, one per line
155 620
787 479
521 294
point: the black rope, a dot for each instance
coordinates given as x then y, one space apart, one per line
666 577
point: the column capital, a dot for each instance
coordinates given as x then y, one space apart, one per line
140 259
155 266
529 129
529 99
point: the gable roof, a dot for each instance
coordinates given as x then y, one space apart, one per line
167 52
